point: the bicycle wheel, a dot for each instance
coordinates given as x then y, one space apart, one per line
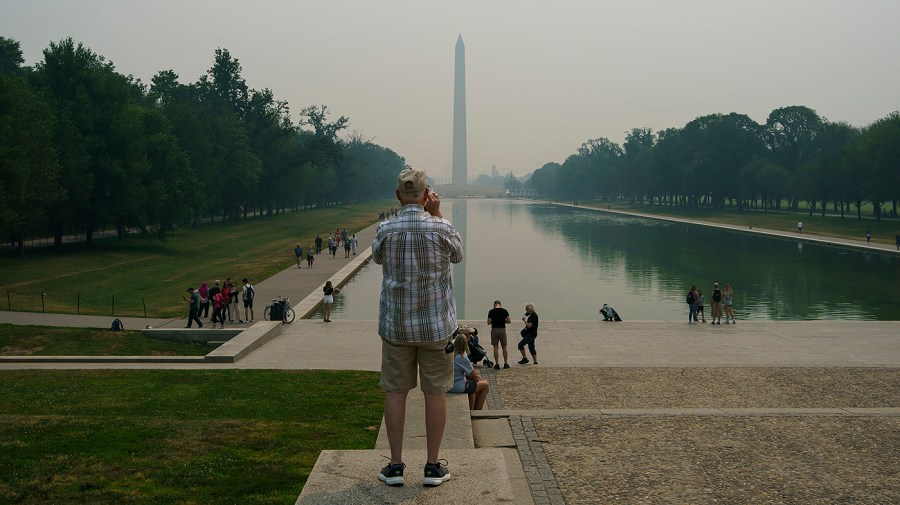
289 316
267 313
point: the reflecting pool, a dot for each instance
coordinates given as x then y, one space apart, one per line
569 262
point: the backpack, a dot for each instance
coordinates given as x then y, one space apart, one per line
249 291
690 298
717 296
117 325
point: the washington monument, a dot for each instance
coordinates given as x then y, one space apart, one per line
460 163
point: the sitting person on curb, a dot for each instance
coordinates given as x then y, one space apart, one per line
465 378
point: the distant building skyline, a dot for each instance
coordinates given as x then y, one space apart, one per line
460 169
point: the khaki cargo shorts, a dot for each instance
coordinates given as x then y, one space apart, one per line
498 336
401 360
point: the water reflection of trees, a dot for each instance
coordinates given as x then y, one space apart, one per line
773 278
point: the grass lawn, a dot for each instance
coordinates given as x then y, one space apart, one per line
849 227
55 341
183 437
135 272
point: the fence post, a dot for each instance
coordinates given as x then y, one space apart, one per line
43 308
8 303
114 305
144 302
78 304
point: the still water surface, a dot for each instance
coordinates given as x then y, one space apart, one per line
568 262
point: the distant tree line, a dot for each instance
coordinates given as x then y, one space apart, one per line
83 147
729 160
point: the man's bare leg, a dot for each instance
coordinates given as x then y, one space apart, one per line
395 421
435 419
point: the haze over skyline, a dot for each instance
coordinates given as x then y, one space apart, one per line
541 78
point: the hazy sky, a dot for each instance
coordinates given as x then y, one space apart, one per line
542 77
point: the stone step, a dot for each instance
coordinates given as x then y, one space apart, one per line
351 477
245 342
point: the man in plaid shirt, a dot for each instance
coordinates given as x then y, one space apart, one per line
417 315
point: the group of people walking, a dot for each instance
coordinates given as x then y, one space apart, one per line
720 297
337 240
224 298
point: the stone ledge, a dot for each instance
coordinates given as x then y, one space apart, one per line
202 335
245 342
101 359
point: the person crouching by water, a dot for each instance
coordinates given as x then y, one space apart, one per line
529 333
465 378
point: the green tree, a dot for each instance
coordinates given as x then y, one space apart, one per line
10 56
29 168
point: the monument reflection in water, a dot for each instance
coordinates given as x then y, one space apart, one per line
568 262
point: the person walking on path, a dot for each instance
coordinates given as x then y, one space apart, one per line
298 252
310 258
347 246
353 243
716 304
498 318
193 307
328 299
700 301
868 235
416 317
529 333
220 301
728 298
800 227
318 244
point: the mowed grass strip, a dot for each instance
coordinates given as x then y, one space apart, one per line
883 232
191 437
134 273
55 341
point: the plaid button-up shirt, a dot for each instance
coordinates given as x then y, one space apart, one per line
415 250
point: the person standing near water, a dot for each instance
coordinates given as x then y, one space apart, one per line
728 296
498 318
800 227
716 304
328 299
529 333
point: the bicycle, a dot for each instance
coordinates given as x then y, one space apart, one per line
284 305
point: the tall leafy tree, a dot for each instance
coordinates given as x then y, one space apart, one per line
11 59
29 168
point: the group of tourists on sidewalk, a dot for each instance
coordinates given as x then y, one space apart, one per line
695 300
224 300
340 236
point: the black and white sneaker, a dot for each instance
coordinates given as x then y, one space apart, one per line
392 475
436 473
